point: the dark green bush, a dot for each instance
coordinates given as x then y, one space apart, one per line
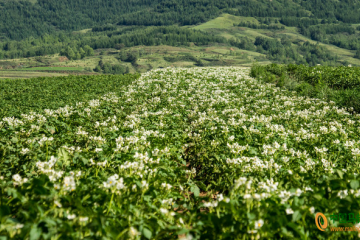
338 84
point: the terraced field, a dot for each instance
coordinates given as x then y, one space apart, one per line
201 153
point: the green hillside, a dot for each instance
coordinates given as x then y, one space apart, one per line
53 37
35 18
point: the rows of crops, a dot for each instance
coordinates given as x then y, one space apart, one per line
25 95
202 153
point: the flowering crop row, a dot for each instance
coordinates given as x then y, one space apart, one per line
202 153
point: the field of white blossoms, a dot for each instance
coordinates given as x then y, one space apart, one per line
201 153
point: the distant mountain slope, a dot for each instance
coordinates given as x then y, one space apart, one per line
22 19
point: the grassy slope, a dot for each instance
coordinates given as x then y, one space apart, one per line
225 21
224 26
344 54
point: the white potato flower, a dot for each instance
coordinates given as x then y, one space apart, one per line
289 211
259 223
71 216
312 210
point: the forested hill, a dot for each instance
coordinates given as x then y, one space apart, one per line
22 19
27 18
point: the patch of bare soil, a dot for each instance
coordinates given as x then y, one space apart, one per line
63 59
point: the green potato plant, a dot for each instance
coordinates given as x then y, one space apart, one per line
201 153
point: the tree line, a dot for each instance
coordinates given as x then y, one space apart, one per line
303 53
77 53
259 26
74 45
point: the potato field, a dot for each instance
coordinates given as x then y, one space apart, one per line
198 153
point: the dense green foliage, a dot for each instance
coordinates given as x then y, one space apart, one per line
338 84
103 28
283 52
357 54
243 43
78 53
184 57
201 153
27 95
259 26
108 68
335 77
45 16
299 22
341 35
